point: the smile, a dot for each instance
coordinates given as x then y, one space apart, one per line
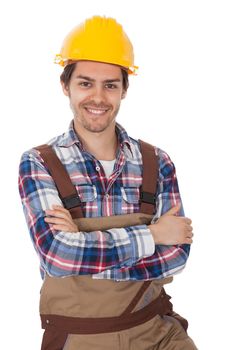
96 111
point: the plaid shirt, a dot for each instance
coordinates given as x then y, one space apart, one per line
118 253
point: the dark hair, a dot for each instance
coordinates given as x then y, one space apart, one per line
68 70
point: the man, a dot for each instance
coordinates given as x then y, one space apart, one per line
112 295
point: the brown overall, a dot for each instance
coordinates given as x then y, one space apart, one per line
82 313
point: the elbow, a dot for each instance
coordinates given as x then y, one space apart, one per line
51 271
56 268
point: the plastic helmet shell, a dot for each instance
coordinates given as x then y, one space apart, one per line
98 39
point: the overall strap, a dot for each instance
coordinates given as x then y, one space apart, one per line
66 189
68 192
149 178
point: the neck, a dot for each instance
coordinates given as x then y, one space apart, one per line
102 145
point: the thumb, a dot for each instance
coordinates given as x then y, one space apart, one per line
174 210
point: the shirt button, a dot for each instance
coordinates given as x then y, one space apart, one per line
97 168
107 195
47 321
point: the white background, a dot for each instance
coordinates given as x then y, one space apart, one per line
181 101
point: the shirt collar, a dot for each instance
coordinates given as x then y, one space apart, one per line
70 137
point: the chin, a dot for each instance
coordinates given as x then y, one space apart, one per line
98 125
96 128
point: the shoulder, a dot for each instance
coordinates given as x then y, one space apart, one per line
32 155
163 157
55 142
165 164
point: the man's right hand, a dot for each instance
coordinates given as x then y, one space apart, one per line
170 229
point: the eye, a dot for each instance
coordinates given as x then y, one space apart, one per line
85 84
111 86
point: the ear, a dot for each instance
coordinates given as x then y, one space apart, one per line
124 93
65 89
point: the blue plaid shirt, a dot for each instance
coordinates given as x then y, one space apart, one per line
118 253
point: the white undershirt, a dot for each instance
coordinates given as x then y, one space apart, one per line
108 166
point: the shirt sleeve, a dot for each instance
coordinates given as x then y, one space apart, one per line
67 253
167 260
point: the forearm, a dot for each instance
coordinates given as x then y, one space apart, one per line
166 261
64 253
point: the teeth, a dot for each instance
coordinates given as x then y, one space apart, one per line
96 111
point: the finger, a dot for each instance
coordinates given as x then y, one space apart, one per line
57 213
62 209
68 226
56 220
188 221
65 228
190 235
174 210
188 240
59 207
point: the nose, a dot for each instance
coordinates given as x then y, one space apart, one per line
98 95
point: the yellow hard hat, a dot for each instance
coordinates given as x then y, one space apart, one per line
98 39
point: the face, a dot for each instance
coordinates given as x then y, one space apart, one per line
95 92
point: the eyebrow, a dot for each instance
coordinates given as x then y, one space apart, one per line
92 80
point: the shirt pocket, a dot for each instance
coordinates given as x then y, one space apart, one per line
130 199
88 196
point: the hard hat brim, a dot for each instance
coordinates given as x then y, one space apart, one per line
62 62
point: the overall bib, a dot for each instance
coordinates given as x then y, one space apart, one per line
82 313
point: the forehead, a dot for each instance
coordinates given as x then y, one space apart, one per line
97 70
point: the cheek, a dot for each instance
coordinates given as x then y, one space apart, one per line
78 98
115 99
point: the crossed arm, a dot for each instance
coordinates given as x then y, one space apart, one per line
169 229
156 250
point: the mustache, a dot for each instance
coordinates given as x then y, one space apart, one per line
94 105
